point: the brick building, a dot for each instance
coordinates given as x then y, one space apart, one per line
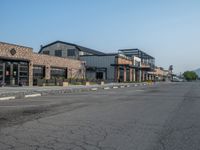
20 65
147 62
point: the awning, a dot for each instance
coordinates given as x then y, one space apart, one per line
127 65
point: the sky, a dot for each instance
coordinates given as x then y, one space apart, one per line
168 30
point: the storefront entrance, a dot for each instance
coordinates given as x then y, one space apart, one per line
13 73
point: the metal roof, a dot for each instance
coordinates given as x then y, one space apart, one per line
136 52
81 48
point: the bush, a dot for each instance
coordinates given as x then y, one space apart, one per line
190 75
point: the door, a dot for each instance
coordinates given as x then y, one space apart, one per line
11 73
7 73
1 73
15 74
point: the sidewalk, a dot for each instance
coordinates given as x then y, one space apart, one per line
7 93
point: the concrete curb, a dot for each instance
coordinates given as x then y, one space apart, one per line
37 93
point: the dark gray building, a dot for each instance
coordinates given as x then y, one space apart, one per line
67 50
111 67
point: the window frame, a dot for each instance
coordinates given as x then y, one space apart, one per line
58 53
70 54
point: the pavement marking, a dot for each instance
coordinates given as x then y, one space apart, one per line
32 95
139 90
135 85
128 86
115 87
122 86
106 88
7 98
94 89
9 106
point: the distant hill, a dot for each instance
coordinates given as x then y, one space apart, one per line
197 72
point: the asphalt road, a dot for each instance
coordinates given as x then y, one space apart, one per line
160 117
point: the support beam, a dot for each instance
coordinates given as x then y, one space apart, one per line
124 73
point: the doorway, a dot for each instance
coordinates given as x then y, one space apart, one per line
13 73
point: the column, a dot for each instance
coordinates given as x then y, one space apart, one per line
143 76
140 76
117 73
124 73
134 74
30 74
47 72
131 74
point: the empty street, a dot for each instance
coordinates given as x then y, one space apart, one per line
164 116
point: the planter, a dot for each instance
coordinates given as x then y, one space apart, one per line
102 83
40 82
65 84
87 83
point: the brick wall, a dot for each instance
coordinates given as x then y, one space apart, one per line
75 68
122 60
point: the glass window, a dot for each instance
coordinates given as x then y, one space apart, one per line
58 53
137 63
58 73
38 72
23 73
46 52
71 52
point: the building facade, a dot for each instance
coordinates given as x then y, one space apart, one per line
67 50
147 62
20 65
112 67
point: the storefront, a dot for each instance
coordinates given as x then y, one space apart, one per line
13 72
19 65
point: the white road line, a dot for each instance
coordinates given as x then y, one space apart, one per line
115 87
128 86
122 86
106 88
32 95
7 98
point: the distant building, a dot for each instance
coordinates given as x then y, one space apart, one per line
160 74
20 65
67 50
147 62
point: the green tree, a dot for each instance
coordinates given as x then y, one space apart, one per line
190 75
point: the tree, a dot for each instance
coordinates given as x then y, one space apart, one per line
190 75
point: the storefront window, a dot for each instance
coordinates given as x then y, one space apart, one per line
58 73
38 72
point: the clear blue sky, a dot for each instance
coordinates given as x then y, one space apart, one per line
169 30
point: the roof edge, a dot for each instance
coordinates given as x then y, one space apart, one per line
16 45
